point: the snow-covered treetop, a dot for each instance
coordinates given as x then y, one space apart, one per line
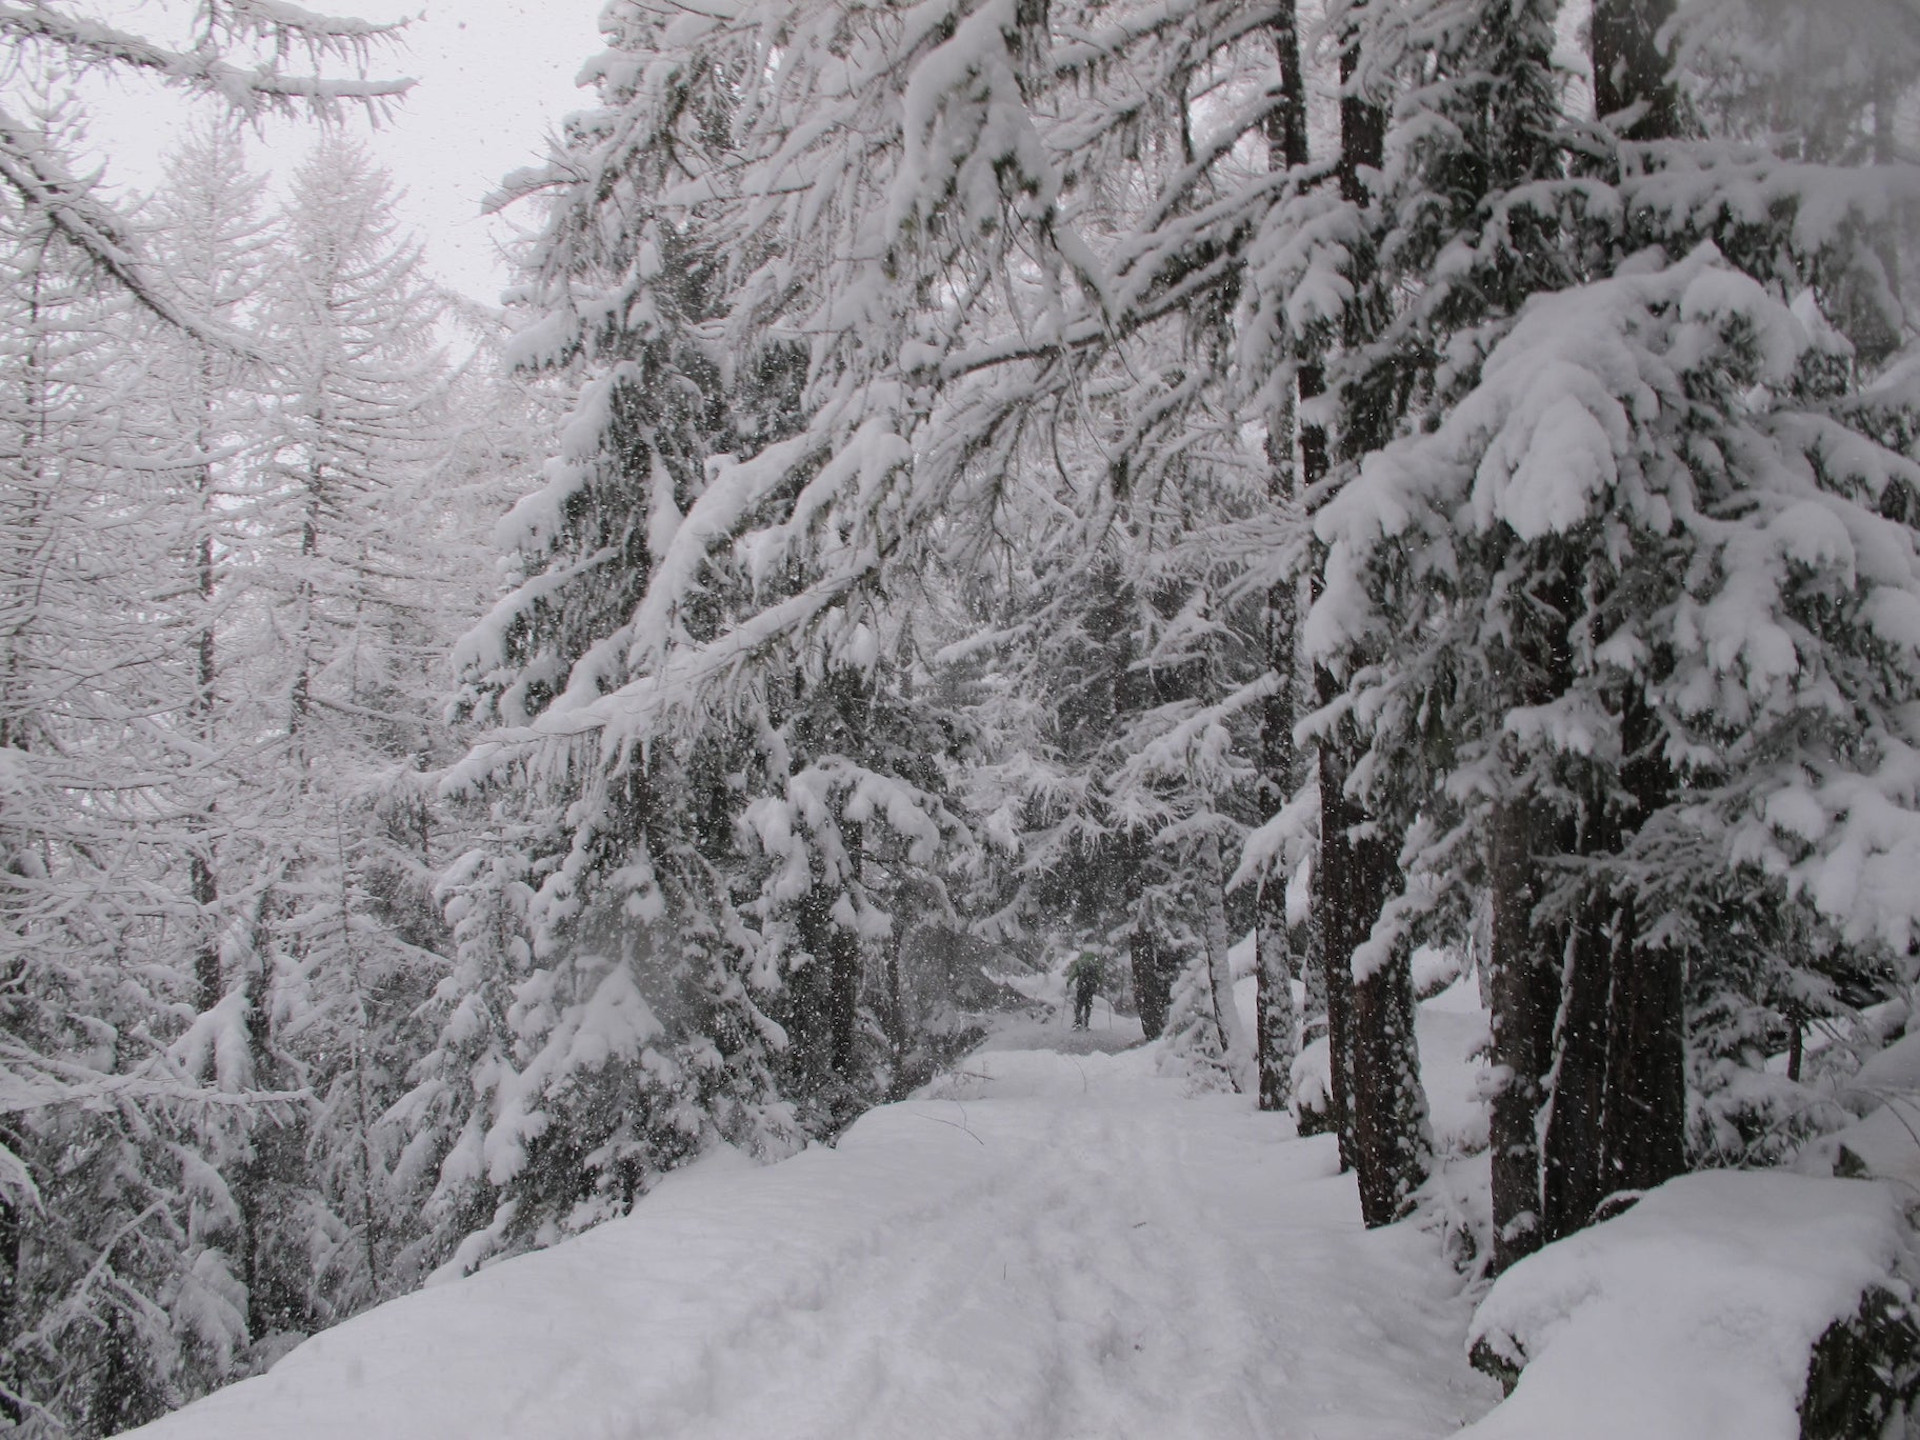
237 51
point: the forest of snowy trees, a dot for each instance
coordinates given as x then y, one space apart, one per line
955 483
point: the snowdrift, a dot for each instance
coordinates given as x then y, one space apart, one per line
1693 1315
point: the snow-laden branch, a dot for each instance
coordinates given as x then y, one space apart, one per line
90 42
31 1082
46 187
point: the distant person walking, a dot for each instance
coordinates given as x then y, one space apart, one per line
1084 977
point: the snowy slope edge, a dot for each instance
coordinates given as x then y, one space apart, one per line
1693 1315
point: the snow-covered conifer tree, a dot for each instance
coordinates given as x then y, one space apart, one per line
120 1299
1558 563
206 230
324 632
205 406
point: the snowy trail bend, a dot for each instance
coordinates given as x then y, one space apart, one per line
1044 1245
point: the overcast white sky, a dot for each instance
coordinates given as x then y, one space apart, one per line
495 77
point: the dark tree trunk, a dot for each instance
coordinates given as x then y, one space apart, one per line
896 1012
1274 1017
206 960
1274 1010
1216 940
1341 895
1643 1128
1152 983
273 1141
1334 902
843 975
1363 127
843 998
1279 766
1367 407
1287 123
12 1228
201 877
825 994
1279 772
1313 981
1522 1010
1551 986
1393 1146
1152 967
1572 1183
1643 1111
1384 1135
10 1409
1629 70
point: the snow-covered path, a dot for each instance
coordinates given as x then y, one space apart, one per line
1154 1266
1043 1245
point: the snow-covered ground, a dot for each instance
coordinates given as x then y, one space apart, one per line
1041 1244
1057 1239
1693 1314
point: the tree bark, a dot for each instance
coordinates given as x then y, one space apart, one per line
1644 1094
1393 1144
1152 975
1522 1029
896 1011
1218 941
1275 1049
1363 126
205 894
843 973
12 1230
201 878
1334 903
1279 774
1274 1018
843 991
1287 122
1152 987
1643 1126
816 995
1572 1185
1383 1108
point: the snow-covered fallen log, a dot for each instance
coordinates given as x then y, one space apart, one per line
1701 1313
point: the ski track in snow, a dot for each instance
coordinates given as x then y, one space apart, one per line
1041 1245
